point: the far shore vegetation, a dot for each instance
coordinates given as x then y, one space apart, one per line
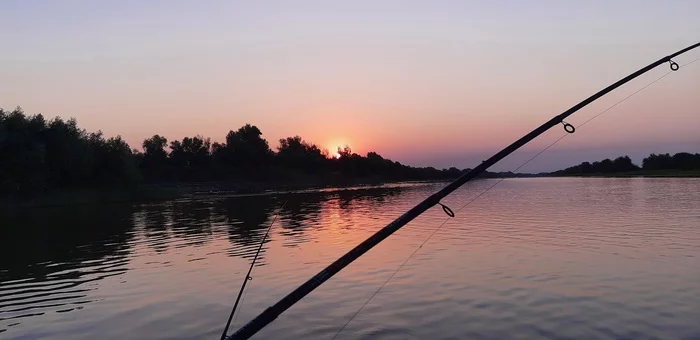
47 162
681 164
53 162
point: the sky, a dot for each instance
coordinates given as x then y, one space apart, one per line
427 83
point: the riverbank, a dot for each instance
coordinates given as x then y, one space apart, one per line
76 197
168 191
665 173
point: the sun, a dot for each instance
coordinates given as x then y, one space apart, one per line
336 148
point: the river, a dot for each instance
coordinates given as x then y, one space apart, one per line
537 258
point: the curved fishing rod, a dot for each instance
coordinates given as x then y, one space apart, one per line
247 276
272 312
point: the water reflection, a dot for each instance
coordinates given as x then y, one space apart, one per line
55 260
191 222
50 259
246 220
532 257
154 220
300 213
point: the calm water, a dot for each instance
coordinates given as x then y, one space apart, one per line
532 258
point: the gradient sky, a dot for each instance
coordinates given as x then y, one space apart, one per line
441 83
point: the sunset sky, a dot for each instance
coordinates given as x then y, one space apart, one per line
440 83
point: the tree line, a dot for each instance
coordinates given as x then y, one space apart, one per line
39 154
678 161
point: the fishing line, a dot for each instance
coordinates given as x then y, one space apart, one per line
567 127
274 311
634 93
235 315
241 295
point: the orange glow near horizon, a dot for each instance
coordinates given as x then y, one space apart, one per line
336 144
434 86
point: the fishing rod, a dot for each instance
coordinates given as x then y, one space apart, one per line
272 312
247 276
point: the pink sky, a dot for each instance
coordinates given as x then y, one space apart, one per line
425 83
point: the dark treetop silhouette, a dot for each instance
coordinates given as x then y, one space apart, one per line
680 161
39 155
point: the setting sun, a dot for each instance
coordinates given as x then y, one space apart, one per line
335 146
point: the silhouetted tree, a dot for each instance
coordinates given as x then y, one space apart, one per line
244 149
191 152
113 162
655 162
190 158
296 153
681 161
619 164
154 159
39 155
154 153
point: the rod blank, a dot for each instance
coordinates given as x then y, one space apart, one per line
272 312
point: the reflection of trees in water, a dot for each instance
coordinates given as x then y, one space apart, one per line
310 210
187 220
301 212
156 218
194 222
363 206
367 197
191 220
38 242
51 258
246 220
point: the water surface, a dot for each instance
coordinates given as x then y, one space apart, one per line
532 258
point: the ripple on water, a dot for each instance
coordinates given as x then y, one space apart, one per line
531 259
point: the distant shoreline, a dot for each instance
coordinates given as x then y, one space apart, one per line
666 173
169 191
154 192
